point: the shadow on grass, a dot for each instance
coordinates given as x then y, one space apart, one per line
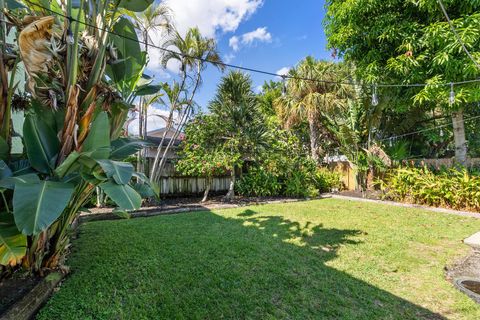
206 266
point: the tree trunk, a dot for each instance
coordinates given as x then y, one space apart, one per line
163 160
100 198
168 125
182 123
459 135
208 183
313 138
231 189
140 134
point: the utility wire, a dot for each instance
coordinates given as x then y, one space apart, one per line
429 129
232 66
459 39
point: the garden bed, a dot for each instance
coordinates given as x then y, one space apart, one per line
14 288
173 206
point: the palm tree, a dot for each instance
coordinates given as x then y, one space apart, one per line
312 101
155 22
192 52
242 129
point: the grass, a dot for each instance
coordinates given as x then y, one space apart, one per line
325 259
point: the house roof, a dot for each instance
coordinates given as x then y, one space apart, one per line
156 141
161 131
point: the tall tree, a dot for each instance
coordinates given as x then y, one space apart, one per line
192 52
241 127
153 23
397 41
313 100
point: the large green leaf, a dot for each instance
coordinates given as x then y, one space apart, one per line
21 167
123 195
5 171
128 71
98 139
120 171
147 90
41 142
13 244
9 183
124 147
144 190
128 48
154 187
135 5
37 205
68 165
13 4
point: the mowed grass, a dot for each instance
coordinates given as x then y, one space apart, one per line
323 259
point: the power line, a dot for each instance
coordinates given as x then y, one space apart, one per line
232 66
459 39
429 129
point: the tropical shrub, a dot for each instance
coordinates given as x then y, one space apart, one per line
301 183
327 180
259 183
450 188
200 157
295 183
285 169
72 128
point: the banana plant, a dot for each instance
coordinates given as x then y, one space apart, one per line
72 126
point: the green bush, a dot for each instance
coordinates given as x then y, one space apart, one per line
326 180
300 183
452 188
299 179
258 183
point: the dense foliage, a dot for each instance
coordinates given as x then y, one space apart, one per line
233 132
451 188
397 41
81 86
287 175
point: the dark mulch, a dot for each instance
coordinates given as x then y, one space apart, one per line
373 195
219 199
14 288
185 202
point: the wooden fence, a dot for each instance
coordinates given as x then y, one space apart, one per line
448 163
177 186
348 170
172 183
348 173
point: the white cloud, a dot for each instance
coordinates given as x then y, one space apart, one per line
260 35
234 43
283 71
228 58
154 121
258 89
212 15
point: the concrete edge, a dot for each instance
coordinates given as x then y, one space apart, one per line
458 284
475 215
29 304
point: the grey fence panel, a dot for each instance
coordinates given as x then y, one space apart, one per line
191 185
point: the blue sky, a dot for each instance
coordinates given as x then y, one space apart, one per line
268 34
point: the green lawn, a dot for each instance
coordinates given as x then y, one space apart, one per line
324 259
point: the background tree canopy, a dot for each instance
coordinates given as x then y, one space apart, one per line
396 41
